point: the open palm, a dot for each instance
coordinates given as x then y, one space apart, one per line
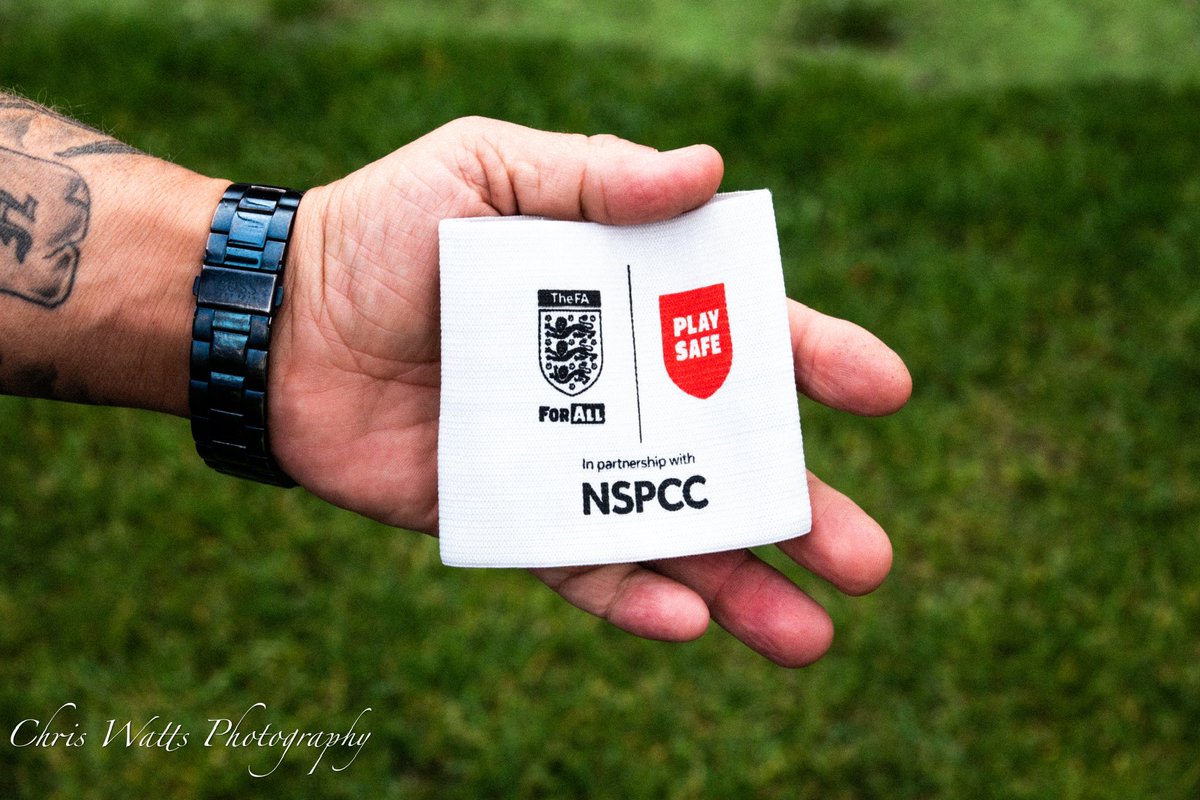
355 373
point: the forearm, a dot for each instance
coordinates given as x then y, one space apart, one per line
98 246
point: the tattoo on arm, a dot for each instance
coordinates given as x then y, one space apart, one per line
32 381
44 213
45 205
101 148
21 114
40 380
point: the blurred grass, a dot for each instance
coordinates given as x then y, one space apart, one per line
1012 207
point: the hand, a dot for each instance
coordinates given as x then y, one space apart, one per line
355 367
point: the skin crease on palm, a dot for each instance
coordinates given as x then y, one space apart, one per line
355 368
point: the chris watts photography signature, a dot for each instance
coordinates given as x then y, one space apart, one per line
60 729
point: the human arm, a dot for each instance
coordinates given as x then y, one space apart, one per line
354 359
96 243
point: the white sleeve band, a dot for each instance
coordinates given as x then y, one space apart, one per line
615 394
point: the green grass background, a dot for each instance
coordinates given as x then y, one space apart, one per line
1007 192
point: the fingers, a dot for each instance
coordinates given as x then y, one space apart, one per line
601 178
632 598
757 604
845 546
844 366
752 600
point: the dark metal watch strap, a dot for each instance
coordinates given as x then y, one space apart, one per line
239 288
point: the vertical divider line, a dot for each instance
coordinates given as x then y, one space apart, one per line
637 391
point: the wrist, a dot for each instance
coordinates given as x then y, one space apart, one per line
238 294
292 331
141 304
94 284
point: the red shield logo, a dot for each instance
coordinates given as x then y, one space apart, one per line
697 349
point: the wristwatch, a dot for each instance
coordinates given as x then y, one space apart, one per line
238 291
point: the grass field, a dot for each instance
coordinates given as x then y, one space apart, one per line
1007 193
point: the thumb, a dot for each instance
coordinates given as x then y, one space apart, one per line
603 178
